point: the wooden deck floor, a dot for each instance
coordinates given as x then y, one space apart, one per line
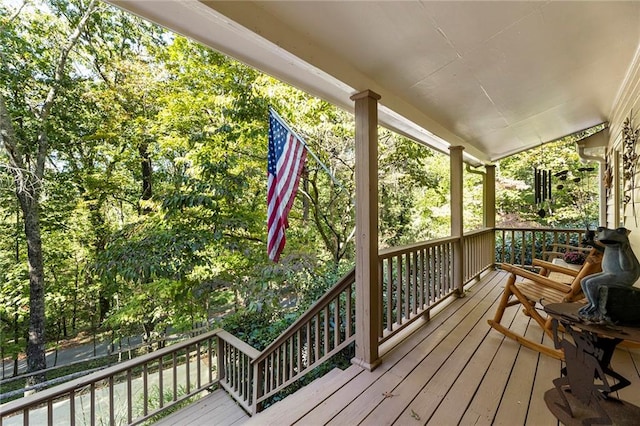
216 409
454 370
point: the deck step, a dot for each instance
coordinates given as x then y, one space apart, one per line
296 405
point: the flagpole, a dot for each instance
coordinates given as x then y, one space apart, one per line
304 143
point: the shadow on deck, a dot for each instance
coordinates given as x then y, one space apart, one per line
453 370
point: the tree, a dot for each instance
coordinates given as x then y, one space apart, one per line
28 147
147 175
573 202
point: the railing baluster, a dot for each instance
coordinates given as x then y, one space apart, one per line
513 248
299 351
381 304
50 412
406 287
349 309
239 369
199 379
390 294
129 398
336 322
437 272
72 407
398 290
188 367
316 349
326 331
175 377
309 345
210 358
92 402
270 371
290 343
414 282
278 374
112 418
145 390
420 274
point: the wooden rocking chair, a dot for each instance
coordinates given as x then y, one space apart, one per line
554 284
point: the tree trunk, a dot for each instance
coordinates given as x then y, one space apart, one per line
28 173
16 339
147 174
36 359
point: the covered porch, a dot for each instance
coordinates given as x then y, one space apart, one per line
439 361
442 366
478 81
418 358
452 370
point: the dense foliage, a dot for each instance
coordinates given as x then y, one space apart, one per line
135 160
574 187
147 174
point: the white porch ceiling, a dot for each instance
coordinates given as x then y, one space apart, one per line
495 77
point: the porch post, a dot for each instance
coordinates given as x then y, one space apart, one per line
457 213
490 196
490 206
367 289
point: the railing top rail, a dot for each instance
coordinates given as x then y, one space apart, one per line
247 349
529 229
478 231
345 281
47 394
395 251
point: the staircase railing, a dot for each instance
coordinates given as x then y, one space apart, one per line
321 332
235 370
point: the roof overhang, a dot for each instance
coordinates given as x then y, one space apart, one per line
495 77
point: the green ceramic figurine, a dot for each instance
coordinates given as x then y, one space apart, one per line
620 270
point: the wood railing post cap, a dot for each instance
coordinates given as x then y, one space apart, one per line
365 94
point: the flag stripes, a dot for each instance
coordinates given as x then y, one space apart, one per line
286 159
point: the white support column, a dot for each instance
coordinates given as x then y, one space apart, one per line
457 214
367 287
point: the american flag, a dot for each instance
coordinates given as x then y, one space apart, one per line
285 162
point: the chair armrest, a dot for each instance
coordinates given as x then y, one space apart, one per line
573 248
549 266
537 278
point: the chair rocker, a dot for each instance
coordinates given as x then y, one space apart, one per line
554 284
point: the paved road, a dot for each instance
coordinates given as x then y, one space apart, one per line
72 354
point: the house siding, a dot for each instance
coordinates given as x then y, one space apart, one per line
627 105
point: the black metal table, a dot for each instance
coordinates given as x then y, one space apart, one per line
582 394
